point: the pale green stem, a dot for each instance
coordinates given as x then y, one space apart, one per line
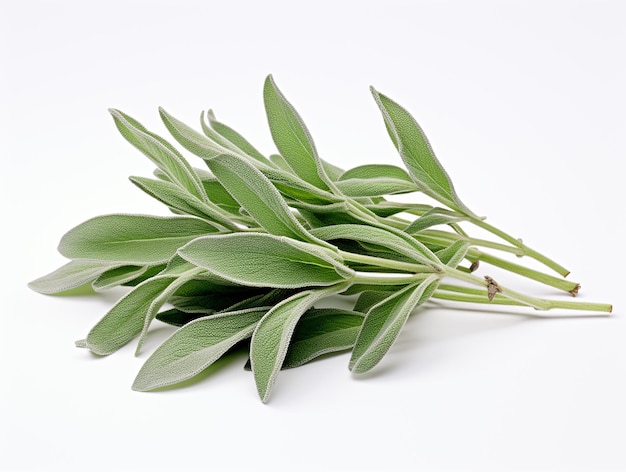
556 282
471 295
517 243
386 263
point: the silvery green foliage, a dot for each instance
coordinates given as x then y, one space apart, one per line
256 241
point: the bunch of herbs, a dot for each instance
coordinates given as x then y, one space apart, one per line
256 242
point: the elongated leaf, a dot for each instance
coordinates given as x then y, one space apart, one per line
161 153
375 180
118 276
387 208
369 234
184 273
454 254
263 260
374 187
322 331
178 199
256 194
126 319
235 138
220 196
293 186
272 336
131 239
150 272
190 139
71 275
417 154
292 137
367 299
375 171
383 323
433 217
194 347
176 317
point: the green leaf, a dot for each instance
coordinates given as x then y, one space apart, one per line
383 323
292 137
126 319
263 260
374 180
272 336
387 208
292 186
434 217
194 347
118 276
256 194
161 153
374 235
190 139
235 138
131 239
369 298
71 275
322 331
176 317
417 154
178 199
454 254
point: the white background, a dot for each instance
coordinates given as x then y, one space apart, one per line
523 102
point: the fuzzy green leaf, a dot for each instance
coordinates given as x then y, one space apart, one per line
292 138
178 199
118 276
383 323
417 154
235 138
161 153
433 217
454 254
71 275
194 347
263 260
322 331
370 234
190 139
131 239
126 319
256 194
272 336
375 180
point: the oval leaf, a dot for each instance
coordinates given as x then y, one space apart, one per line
178 199
384 321
126 319
71 275
272 335
322 331
256 194
195 346
235 138
160 152
263 260
433 217
132 239
292 138
417 154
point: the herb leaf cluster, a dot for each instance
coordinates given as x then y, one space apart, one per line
255 242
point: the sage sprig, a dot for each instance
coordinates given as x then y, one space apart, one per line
256 241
